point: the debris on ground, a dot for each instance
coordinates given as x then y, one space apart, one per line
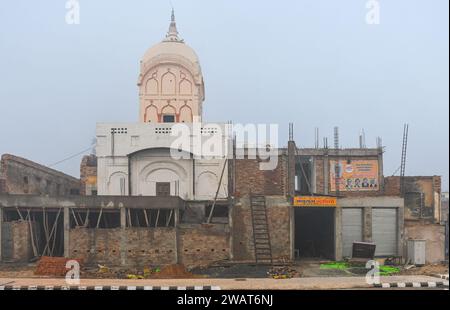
146 273
53 266
385 270
176 271
284 272
102 269
427 270
134 276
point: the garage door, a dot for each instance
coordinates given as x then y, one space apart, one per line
352 229
384 231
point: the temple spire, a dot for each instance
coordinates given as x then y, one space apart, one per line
172 34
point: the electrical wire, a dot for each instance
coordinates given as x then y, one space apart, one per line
72 156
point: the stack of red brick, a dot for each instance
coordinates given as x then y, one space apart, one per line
53 266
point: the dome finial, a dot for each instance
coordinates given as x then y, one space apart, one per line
172 34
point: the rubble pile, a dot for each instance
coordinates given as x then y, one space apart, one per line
282 272
53 266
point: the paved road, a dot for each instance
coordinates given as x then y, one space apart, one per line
228 284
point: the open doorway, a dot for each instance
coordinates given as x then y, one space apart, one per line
314 232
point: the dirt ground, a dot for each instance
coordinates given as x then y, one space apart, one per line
235 271
304 269
316 283
17 271
426 270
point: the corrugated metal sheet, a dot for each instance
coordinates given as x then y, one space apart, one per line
384 231
352 229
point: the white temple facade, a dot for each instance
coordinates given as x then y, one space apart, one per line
170 151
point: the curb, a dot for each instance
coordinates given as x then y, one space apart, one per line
441 276
412 284
106 288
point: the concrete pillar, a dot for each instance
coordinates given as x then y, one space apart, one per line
66 226
380 171
401 231
1 227
326 174
291 168
313 176
123 237
292 231
338 233
230 224
367 224
176 223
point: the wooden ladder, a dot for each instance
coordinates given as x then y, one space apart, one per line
261 235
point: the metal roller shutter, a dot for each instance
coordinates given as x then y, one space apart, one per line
352 229
384 231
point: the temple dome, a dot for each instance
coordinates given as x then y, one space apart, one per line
172 47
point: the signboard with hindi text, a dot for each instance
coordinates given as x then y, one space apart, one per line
314 201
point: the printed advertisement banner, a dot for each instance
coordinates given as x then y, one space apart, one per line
354 175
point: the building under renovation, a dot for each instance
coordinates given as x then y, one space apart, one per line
148 198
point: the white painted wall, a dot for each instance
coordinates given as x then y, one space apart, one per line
145 150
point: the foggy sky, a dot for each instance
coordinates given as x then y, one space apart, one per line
314 63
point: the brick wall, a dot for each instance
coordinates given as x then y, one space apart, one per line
417 206
243 248
392 186
278 216
156 246
434 234
16 242
142 246
203 244
319 172
249 178
198 245
95 245
22 176
279 228
444 211
2 186
88 175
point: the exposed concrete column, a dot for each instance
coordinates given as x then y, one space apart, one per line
380 171
338 233
291 168
326 173
176 224
400 231
66 226
230 224
292 230
313 182
367 224
123 237
177 217
1 227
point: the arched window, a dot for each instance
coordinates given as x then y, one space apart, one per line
168 84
